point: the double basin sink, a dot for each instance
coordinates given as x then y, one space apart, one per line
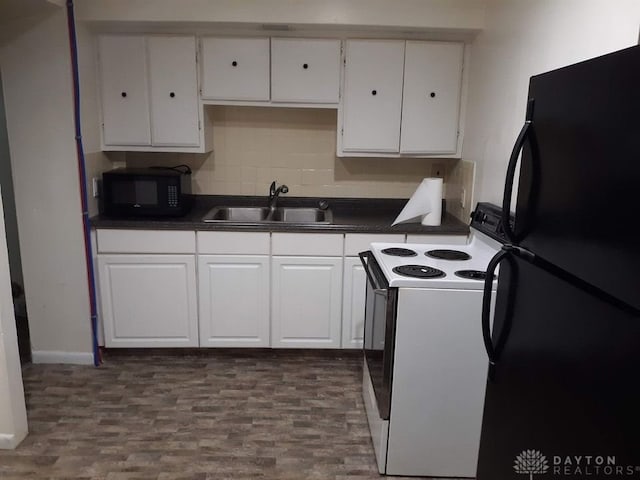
259 215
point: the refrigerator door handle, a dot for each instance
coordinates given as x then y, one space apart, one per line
486 305
511 173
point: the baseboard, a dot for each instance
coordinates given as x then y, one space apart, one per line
11 441
74 358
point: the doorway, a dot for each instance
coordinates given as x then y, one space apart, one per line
13 246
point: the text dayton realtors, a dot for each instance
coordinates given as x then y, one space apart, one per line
590 465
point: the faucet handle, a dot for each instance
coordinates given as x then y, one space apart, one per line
272 188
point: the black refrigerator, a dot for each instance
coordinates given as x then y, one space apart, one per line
563 389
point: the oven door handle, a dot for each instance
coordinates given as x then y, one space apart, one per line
364 256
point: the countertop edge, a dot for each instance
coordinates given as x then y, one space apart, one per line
349 216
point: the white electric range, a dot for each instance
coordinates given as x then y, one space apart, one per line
425 363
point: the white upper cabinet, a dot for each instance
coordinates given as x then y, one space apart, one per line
235 69
305 70
123 81
149 88
401 98
173 87
431 97
372 101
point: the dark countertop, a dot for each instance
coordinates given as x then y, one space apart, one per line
350 215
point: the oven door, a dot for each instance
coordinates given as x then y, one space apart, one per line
379 331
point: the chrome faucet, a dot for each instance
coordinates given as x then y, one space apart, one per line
274 193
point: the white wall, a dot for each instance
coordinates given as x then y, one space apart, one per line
523 38
13 414
38 98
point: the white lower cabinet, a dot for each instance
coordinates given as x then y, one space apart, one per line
306 297
353 301
234 300
148 300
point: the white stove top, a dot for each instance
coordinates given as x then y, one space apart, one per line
480 248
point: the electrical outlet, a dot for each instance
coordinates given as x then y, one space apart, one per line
94 187
438 170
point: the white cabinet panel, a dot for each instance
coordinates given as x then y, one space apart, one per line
234 243
305 70
431 98
173 90
318 244
353 302
146 241
372 95
306 302
123 83
234 300
235 69
148 300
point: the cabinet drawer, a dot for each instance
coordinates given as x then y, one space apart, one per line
235 69
305 70
355 243
320 244
233 243
146 241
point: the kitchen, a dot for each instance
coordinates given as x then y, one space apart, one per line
506 53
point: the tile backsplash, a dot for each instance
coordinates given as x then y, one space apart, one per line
255 145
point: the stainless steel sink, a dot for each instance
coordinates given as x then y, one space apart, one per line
299 215
237 214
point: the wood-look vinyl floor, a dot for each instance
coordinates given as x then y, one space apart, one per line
214 415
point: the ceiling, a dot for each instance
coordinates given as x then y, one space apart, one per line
16 16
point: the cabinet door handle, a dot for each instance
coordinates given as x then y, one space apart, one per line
124 94
234 64
374 92
305 65
432 94
172 94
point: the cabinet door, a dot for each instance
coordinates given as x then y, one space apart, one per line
305 70
235 69
234 300
431 99
372 95
353 301
306 302
174 91
123 84
148 300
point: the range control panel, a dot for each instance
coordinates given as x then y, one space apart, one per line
487 218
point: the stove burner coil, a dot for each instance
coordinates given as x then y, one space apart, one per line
399 252
448 254
418 271
471 274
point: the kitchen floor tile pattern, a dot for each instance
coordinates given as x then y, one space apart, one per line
199 416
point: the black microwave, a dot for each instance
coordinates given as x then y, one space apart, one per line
155 191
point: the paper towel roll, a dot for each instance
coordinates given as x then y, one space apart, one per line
425 205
